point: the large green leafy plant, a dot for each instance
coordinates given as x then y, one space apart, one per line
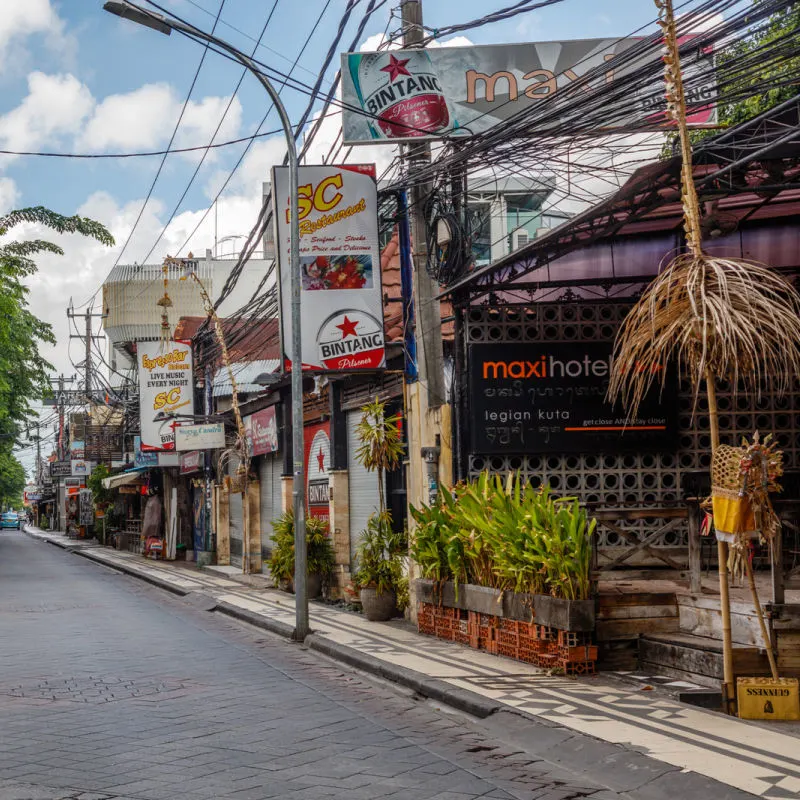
506 535
319 558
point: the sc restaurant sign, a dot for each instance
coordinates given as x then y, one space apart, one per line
165 389
341 300
462 91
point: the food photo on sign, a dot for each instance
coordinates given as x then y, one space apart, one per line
341 301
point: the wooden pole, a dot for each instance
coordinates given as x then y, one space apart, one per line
763 625
722 556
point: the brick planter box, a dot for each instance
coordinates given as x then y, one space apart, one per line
531 628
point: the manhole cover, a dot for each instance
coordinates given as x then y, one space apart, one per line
93 689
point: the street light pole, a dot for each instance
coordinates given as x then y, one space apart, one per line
163 24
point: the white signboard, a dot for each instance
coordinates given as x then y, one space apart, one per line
340 265
200 437
80 468
165 389
394 95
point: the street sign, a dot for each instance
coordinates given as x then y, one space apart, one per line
60 469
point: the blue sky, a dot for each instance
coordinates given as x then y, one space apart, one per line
73 78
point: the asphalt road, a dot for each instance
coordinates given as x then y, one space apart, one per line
111 688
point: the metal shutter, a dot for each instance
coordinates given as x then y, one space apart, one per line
269 471
236 526
363 485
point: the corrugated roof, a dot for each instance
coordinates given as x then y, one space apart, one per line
244 374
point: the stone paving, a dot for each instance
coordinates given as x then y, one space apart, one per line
110 688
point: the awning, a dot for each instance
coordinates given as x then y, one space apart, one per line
123 479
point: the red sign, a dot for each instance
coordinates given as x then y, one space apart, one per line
262 432
317 460
192 461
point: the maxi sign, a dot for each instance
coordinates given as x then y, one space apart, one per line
165 388
551 398
462 91
341 304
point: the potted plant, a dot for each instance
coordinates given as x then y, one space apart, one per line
319 553
379 576
379 554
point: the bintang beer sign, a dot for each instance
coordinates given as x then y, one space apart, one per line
530 398
341 301
463 91
165 389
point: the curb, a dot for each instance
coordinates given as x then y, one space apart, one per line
257 620
151 579
461 699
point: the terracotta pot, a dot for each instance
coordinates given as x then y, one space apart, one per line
313 585
378 607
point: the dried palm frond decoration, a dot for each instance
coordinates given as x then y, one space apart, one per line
718 318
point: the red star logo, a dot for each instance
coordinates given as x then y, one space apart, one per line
396 67
321 460
348 327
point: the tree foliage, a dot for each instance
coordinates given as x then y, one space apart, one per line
12 480
23 370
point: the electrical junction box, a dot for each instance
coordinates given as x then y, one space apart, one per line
768 699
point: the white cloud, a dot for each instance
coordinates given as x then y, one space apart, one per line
9 195
54 106
22 18
145 118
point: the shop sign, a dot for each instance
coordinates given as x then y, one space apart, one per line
80 468
317 457
192 462
168 459
262 431
60 469
396 95
86 507
341 303
165 389
200 437
551 398
77 450
128 489
142 458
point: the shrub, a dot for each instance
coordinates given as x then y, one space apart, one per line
319 550
506 535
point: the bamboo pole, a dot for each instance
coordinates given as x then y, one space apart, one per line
722 557
761 623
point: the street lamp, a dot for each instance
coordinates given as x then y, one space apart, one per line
163 24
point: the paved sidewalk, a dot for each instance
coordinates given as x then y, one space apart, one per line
761 759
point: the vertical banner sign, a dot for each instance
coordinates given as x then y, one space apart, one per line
341 298
165 388
317 461
262 432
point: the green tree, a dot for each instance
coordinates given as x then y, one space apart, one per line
23 370
12 481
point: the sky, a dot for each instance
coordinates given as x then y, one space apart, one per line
75 79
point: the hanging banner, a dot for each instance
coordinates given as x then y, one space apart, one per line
551 398
396 95
200 437
86 507
341 298
165 389
262 432
317 462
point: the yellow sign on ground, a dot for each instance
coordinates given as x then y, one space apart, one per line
766 698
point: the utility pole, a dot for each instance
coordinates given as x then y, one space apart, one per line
87 337
428 315
425 408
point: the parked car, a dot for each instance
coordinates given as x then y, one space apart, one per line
10 519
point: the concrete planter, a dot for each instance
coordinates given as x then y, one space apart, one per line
378 607
566 615
469 597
